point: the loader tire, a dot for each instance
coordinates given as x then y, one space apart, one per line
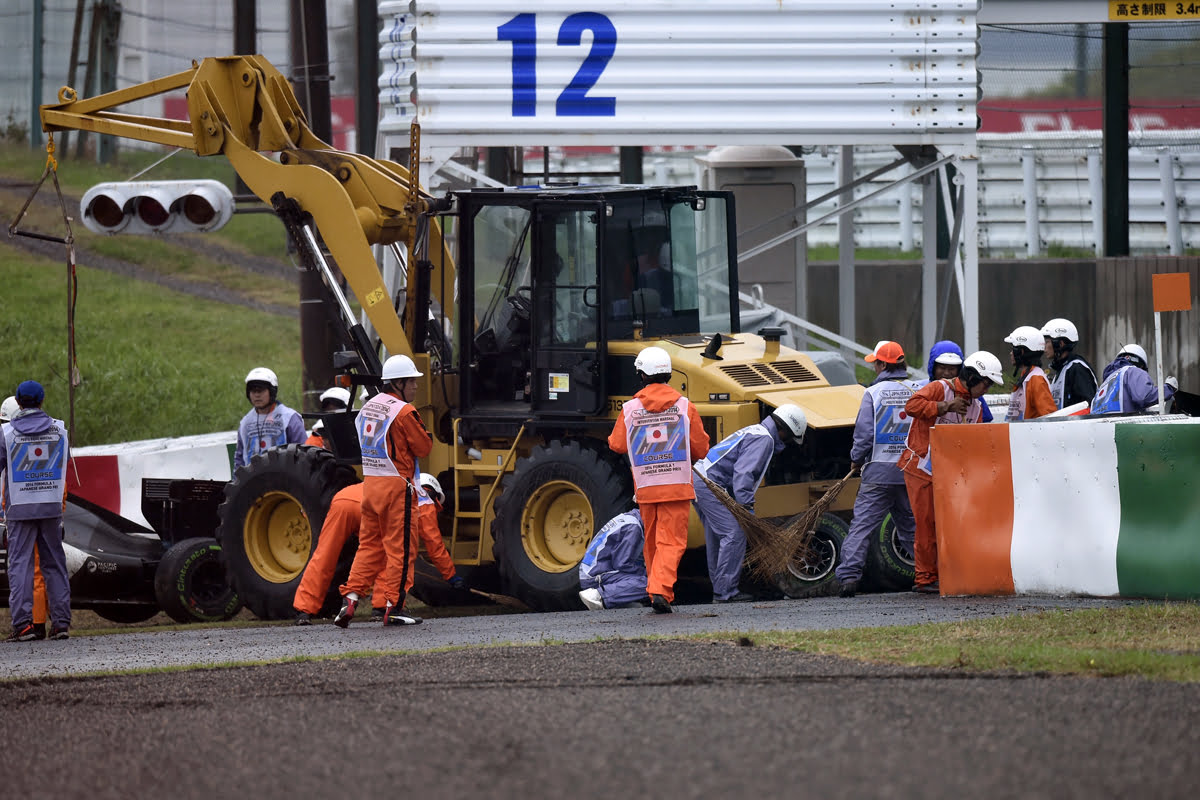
269 522
190 583
551 505
811 573
890 566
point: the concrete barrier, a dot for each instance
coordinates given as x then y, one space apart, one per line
1099 506
110 475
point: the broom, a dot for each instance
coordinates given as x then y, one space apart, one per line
795 537
762 537
502 599
770 548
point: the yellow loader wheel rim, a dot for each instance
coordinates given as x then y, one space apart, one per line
556 526
277 537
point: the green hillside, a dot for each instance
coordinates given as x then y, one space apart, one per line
154 360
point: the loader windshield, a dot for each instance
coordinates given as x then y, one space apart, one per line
667 266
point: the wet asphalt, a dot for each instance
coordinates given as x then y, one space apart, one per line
610 714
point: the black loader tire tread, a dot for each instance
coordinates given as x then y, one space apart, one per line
184 585
312 476
609 491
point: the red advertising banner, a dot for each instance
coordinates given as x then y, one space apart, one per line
1029 115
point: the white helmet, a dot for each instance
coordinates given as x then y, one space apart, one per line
9 409
1028 337
337 394
793 417
430 482
987 365
398 367
263 375
1135 350
1059 328
653 361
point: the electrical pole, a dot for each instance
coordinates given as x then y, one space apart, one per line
35 121
1116 139
366 27
309 46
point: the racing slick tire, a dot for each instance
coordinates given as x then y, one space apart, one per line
890 566
190 583
270 519
811 573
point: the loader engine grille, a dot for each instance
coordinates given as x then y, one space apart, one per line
759 374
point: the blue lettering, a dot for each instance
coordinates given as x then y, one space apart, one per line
573 101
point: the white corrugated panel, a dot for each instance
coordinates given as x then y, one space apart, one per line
683 71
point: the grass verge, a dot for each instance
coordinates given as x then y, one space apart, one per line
1159 641
153 362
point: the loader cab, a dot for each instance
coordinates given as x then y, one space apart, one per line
548 277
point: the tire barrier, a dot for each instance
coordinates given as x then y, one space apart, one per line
1101 506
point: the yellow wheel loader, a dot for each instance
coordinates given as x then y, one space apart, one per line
526 326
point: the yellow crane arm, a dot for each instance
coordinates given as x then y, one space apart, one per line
241 107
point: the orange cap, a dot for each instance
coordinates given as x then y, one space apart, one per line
887 352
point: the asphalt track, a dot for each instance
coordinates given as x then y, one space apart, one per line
625 716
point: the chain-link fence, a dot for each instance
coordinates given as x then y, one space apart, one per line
155 38
1050 78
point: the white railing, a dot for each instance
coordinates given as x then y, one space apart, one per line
1037 192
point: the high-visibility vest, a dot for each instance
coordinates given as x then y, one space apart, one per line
891 420
37 463
374 420
659 443
1058 386
1110 397
1016 405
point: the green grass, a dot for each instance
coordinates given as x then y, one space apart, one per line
153 362
257 234
1160 641
829 252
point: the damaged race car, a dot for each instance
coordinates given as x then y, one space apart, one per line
127 573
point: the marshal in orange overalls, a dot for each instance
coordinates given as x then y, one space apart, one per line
665 507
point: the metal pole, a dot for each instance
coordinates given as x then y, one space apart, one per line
969 170
906 218
73 67
1033 244
89 74
631 165
846 246
109 12
35 121
310 73
1096 193
1166 173
1162 402
929 245
310 64
245 43
1116 139
366 99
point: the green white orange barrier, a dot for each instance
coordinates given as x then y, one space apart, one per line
1093 506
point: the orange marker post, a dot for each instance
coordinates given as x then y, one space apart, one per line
1172 292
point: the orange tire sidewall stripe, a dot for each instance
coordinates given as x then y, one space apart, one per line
973 506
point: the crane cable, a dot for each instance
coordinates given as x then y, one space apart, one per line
51 170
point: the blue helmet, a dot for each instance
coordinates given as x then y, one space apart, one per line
944 352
